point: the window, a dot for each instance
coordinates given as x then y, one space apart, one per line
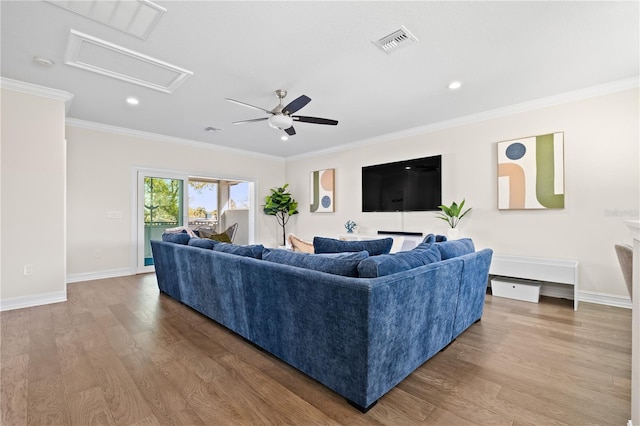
203 202
239 196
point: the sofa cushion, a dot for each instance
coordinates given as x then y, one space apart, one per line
204 243
373 247
176 237
254 250
387 264
455 248
345 264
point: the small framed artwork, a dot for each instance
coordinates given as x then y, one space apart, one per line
323 191
531 173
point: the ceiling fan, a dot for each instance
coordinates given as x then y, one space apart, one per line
280 117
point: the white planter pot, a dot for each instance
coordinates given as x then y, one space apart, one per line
453 234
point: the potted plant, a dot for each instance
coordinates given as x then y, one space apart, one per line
452 215
280 204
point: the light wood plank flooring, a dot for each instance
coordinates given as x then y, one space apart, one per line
118 353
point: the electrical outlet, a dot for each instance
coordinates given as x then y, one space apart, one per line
28 269
98 253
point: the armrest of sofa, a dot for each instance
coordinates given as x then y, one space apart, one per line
411 319
473 289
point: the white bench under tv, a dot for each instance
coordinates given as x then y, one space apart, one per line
559 271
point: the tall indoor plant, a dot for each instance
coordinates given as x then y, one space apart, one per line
452 215
280 204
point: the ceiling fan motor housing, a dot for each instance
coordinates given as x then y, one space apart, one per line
280 121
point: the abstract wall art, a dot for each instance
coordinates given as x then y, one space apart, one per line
531 173
323 191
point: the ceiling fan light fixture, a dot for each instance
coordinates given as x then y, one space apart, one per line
280 121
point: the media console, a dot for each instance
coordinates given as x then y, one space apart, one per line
402 241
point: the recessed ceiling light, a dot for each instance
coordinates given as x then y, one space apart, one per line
454 85
284 138
132 101
43 61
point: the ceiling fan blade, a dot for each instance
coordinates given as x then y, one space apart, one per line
296 104
290 131
248 105
314 120
253 120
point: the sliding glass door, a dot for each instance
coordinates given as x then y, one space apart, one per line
166 199
161 205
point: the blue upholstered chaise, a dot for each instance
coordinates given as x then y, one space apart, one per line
358 336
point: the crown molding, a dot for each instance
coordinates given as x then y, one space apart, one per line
90 125
34 89
563 98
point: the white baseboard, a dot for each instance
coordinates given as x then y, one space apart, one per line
563 291
11 303
100 275
605 299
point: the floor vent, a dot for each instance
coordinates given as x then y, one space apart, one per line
396 39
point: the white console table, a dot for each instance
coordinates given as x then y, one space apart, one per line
559 271
400 242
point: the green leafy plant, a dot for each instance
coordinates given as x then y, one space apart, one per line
453 213
280 204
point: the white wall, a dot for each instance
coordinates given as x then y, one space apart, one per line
33 197
99 180
601 142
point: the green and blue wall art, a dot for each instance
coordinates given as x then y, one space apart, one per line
531 173
323 191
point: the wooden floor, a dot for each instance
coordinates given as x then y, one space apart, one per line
118 353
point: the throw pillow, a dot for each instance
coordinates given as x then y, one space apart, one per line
222 238
373 247
300 245
181 229
204 243
254 250
455 248
387 264
345 264
434 239
176 237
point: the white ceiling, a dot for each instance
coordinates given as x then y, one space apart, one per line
506 53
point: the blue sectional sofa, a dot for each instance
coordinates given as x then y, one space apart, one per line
358 336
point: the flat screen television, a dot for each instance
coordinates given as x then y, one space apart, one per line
403 186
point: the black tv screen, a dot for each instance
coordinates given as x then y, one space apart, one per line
405 186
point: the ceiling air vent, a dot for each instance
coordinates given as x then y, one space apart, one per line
396 39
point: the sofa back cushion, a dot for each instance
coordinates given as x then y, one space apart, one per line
387 264
455 248
254 250
373 247
204 243
345 264
176 237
